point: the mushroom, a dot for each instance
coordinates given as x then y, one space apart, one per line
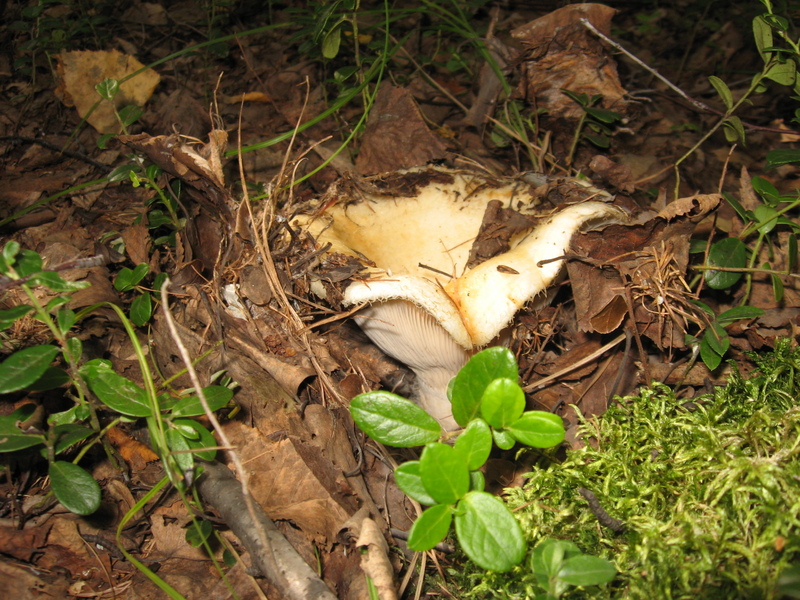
424 305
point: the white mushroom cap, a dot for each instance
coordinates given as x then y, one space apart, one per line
489 295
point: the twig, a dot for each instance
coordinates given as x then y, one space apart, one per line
545 381
598 511
292 576
266 554
696 103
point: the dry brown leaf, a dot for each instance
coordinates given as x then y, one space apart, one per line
22 544
610 316
137 243
135 453
375 559
691 206
562 54
81 70
396 136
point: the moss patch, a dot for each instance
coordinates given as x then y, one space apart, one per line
709 491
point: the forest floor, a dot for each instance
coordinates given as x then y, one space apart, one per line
219 108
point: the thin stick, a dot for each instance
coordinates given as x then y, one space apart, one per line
696 103
545 381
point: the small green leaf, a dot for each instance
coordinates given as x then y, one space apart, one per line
12 315
74 349
108 88
734 130
538 429
217 396
477 481
784 73
69 434
52 378
74 488
503 439
743 213
56 283
24 367
739 312
199 439
502 402
766 190
115 391
78 412
586 570
198 532
27 263
474 444
65 319
598 139
430 528
57 303
130 114
710 357
791 253
766 216
12 438
444 473
730 253
409 481
483 368
548 558
603 115
123 172
777 287
331 42
723 91
127 278
393 420
9 256
762 33
488 532
179 447
141 309
782 156
718 338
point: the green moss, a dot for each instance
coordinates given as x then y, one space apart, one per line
709 491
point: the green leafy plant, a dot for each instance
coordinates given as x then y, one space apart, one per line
489 404
102 397
558 564
767 227
130 280
781 57
593 125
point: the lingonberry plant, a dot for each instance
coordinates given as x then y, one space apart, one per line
490 405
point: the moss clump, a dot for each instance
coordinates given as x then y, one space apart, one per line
709 491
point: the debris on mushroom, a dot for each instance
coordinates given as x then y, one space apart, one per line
425 304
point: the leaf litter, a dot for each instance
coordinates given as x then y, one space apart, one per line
296 357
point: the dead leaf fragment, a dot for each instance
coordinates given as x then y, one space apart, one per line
562 54
375 559
81 70
396 136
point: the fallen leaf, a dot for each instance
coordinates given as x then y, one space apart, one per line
80 71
